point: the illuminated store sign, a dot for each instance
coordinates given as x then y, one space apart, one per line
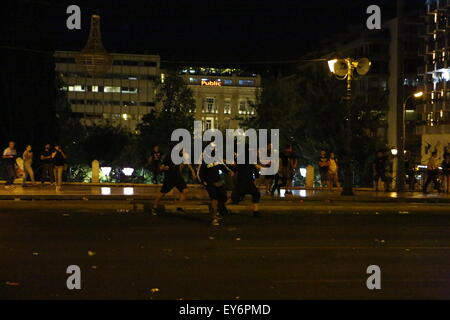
211 83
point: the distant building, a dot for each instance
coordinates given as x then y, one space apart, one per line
223 96
120 97
393 52
435 112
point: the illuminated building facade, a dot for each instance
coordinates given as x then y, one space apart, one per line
119 97
435 112
223 96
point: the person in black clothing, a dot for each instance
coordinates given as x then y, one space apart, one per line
210 176
446 171
47 165
245 184
154 162
379 169
410 171
172 179
324 165
288 164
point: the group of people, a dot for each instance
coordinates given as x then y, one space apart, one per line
328 170
52 165
213 177
436 173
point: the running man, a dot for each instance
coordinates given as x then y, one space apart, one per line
172 179
210 176
246 175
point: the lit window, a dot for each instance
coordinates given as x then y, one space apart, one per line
246 82
227 106
242 107
209 105
112 89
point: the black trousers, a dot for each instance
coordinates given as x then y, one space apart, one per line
155 173
47 173
241 190
10 173
432 176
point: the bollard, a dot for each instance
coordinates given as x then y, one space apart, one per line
309 177
95 172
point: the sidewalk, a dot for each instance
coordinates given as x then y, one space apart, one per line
139 192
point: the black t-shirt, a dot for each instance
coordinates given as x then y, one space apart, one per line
212 173
59 160
380 164
323 160
286 156
246 173
155 158
446 167
173 172
47 153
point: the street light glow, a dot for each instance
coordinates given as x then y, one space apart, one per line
418 94
128 171
105 170
331 64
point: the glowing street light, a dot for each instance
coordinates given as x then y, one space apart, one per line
105 170
128 171
344 69
401 136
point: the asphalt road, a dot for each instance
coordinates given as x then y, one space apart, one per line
302 255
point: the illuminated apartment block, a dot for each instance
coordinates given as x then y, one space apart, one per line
119 97
435 111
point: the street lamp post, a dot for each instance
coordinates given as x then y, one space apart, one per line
401 134
343 69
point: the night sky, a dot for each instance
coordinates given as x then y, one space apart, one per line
245 30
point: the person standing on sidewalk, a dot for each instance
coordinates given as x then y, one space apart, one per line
324 165
47 165
154 162
446 171
27 165
432 173
10 155
380 165
289 162
333 177
59 160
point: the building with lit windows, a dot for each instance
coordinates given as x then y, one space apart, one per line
435 112
223 97
394 55
119 97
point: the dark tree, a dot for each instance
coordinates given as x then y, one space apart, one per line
176 106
